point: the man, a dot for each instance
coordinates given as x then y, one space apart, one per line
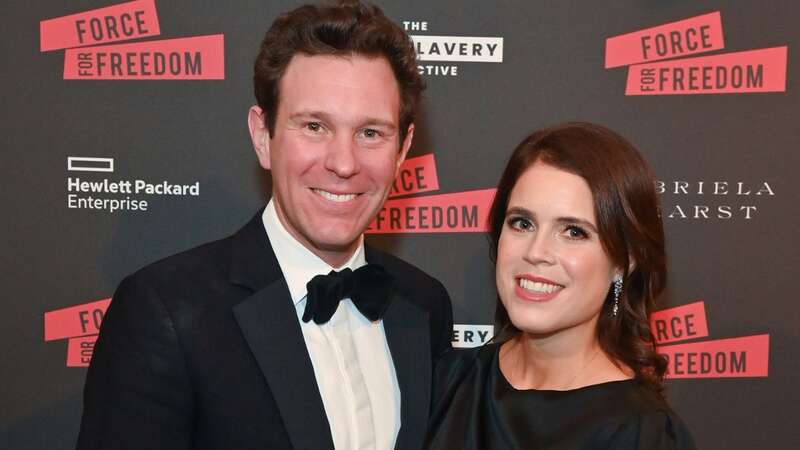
222 347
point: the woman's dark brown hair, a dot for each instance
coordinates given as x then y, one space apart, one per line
629 225
343 28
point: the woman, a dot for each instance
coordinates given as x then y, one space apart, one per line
579 253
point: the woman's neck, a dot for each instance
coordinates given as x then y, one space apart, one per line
557 362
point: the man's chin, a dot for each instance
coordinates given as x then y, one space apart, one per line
344 245
344 241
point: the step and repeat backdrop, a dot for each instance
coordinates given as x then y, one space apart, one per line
125 141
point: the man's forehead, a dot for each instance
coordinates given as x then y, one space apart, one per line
301 62
351 84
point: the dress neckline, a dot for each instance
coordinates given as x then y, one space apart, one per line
505 385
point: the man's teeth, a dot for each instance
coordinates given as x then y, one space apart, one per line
335 197
536 286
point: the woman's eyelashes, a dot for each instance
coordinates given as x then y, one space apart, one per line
520 223
575 232
570 231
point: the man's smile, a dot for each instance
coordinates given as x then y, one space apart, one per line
339 198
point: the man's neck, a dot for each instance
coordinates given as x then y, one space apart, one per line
300 262
334 256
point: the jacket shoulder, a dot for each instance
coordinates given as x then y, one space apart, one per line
184 280
207 259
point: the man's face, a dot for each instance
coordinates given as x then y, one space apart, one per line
335 150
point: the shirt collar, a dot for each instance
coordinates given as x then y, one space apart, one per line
298 264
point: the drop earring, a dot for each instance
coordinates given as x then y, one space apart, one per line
617 292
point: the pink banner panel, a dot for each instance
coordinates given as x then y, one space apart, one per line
679 323
80 350
459 212
121 22
762 70
684 37
722 358
416 175
79 320
192 58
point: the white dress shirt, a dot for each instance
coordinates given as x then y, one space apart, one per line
337 359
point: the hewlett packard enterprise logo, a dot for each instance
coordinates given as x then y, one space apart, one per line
91 185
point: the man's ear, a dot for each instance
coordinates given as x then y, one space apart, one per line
404 146
259 134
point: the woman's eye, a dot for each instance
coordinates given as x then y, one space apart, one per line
520 223
576 232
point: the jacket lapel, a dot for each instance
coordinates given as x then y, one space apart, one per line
269 324
408 334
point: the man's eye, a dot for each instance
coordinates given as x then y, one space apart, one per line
314 126
370 133
520 223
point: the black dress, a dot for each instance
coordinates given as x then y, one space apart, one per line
475 408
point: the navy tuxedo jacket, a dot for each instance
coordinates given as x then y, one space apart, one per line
203 350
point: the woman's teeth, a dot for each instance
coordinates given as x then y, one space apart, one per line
537 286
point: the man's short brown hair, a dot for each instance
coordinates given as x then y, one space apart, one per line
342 29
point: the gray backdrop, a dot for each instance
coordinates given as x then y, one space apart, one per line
743 267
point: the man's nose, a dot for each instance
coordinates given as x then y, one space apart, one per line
342 158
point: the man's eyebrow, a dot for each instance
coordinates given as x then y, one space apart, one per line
379 122
310 114
326 117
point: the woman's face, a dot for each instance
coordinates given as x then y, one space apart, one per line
552 272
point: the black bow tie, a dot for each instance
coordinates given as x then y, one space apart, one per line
369 287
